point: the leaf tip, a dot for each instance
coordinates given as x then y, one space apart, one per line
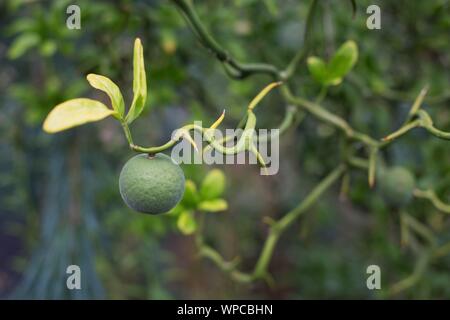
218 121
46 127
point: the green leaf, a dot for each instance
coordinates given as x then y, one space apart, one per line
186 223
190 198
139 83
318 69
175 211
342 62
213 185
22 44
48 48
75 112
215 205
111 89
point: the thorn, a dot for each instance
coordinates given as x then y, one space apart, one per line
418 101
262 94
218 121
188 137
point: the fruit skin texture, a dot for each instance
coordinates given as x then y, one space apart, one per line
151 184
397 185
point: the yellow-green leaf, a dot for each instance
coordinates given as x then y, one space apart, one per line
190 197
186 223
213 185
75 112
215 205
343 61
318 69
111 89
139 83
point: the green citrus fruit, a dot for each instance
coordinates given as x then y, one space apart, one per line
151 184
397 185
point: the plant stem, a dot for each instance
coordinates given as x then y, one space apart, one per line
359 163
326 116
312 197
433 198
243 69
372 165
276 230
127 131
419 269
208 252
153 150
420 229
238 70
281 225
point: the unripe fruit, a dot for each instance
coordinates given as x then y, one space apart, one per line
397 185
151 184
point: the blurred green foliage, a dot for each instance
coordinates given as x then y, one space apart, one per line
59 198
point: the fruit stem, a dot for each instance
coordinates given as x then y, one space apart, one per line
153 150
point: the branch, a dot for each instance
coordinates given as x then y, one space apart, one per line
423 121
233 67
330 118
425 257
418 118
239 70
276 230
419 269
433 198
420 229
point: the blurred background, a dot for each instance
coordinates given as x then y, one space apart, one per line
59 196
